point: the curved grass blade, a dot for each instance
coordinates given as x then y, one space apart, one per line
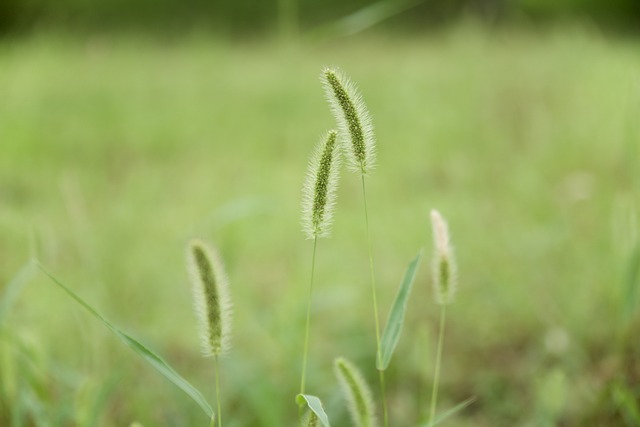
149 356
393 328
362 19
315 405
15 287
446 414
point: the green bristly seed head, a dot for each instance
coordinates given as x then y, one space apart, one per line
319 192
211 297
444 274
357 392
310 420
354 121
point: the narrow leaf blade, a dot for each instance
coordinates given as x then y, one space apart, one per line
449 413
149 356
362 19
315 405
393 328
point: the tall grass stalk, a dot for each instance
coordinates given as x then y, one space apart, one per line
305 353
436 377
217 375
318 202
444 278
212 305
357 137
383 395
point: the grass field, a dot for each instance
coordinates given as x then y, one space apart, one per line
115 151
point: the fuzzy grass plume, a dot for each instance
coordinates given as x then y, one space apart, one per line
319 192
354 121
356 133
310 420
357 392
443 266
319 198
444 286
211 298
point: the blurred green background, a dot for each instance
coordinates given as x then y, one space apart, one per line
127 128
241 17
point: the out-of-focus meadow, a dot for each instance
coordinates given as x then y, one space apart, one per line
116 149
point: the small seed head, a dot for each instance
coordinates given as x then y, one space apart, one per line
357 392
443 265
353 118
310 420
211 297
319 191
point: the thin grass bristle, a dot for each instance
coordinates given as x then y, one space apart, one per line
444 272
357 393
211 297
353 118
320 188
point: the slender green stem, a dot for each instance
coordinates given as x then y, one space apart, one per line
375 304
383 395
215 367
436 378
305 352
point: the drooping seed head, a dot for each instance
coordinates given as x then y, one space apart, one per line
357 392
354 121
211 297
443 266
319 191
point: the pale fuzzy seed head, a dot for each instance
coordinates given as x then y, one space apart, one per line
444 271
320 188
357 392
212 302
354 121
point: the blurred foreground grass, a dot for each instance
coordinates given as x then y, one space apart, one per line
115 151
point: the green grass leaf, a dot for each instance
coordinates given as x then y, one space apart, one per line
149 356
15 287
315 405
446 414
393 328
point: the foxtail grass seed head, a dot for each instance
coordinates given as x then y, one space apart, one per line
310 420
319 191
354 121
443 264
357 392
211 297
